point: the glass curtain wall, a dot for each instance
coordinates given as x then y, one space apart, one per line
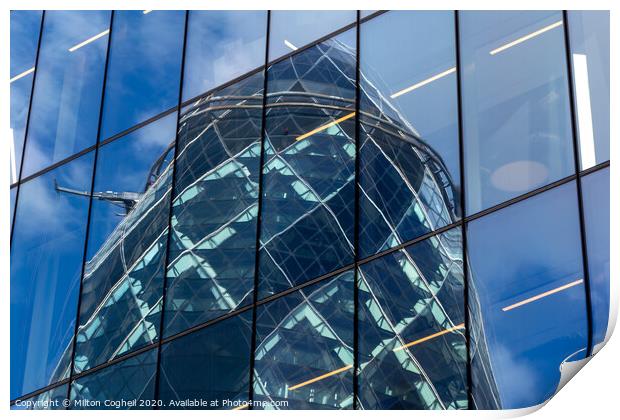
269 209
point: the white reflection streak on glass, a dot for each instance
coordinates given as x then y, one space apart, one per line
423 82
584 111
144 12
542 295
526 37
22 74
89 40
291 46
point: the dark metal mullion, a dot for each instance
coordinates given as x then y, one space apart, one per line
466 315
170 209
26 129
577 158
259 216
90 207
357 226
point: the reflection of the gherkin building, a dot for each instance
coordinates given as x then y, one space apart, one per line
411 337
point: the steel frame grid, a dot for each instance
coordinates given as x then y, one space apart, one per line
462 222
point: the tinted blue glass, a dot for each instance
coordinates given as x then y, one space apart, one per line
222 45
589 42
595 190
129 384
292 29
46 262
144 67
409 162
48 400
12 209
516 119
527 298
411 328
210 365
309 171
123 280
213 247
25 28
304 347
67 93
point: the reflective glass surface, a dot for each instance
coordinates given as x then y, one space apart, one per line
123 280
309 171
12 195
409 162
304 347
292 29
144 67
129 384
211 365
213 247
67 93
595 190
527 299
589 42
46 263
48 400
364 13
516 119
411 327
222 45
25 28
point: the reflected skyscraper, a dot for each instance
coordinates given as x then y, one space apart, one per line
211 264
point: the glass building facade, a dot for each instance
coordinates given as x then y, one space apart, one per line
306 209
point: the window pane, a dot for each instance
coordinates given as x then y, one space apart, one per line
46 263
222 45
25 28
525 266
308 184
409 156
126 384
212 364
589 42
48 400
123 281
516 115
12 209
412 346
304 350
144 67
67 92
595 189
213 247
292 29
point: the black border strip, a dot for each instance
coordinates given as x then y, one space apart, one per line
463 207
26 129
576 150
162 317
263 130
90 208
